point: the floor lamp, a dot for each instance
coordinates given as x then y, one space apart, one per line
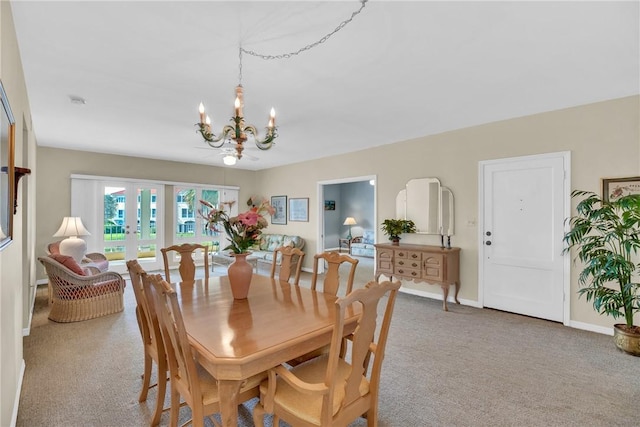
350 221
72 246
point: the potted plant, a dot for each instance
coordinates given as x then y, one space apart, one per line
606 236
395 227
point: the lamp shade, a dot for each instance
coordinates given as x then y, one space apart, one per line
350 221
71 227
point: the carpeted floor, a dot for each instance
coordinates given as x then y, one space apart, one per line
467 367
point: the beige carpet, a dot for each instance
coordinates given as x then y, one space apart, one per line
467 367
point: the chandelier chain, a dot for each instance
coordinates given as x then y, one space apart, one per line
305 48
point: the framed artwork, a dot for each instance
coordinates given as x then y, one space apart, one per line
7 171
299 209
279 203
329 205
614 188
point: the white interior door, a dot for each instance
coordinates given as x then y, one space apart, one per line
524 203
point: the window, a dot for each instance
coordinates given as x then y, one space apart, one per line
189 226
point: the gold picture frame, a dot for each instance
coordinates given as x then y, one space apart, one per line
614 188
7 170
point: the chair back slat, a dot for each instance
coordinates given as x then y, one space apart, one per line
290 261
187 267
331 281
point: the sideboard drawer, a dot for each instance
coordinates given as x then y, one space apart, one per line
407 272
407 263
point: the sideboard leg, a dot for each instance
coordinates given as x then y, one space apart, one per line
457 283
445 295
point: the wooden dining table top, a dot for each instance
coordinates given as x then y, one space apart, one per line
235 339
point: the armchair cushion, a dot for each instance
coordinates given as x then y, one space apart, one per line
68 262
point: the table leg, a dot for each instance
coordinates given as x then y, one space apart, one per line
228 391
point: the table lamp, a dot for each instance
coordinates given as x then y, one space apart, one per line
349 221
72 246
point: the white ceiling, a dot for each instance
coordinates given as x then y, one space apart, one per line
399 70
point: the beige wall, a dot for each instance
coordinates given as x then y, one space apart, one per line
603 139
15 281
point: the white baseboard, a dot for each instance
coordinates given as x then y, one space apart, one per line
572 324
589 327
16 400
432 295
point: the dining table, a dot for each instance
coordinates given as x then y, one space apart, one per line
236 339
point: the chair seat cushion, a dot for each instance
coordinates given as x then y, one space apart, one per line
68 262
308 406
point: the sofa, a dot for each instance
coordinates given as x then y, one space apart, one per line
269 242
363 245
262 253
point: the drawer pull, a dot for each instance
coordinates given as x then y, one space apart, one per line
401 262
400 253
401 271
414 255
415 264
413 273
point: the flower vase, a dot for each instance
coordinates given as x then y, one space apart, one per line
240 273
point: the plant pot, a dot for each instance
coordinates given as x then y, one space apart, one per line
627 340
240 273
395 241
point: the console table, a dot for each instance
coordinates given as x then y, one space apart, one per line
421 263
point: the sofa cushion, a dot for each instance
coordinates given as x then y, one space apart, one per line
68 262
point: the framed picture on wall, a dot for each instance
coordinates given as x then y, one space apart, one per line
279 203
614 188
329 205
299 209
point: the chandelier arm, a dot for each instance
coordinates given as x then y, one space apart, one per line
209 137
267 142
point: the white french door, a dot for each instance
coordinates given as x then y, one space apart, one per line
523 205
125 219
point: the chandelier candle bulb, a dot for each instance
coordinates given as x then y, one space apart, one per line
201 110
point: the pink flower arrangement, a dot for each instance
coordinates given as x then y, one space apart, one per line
243 231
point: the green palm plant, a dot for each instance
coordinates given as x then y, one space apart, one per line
606 236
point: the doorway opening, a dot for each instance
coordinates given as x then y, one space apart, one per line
339 199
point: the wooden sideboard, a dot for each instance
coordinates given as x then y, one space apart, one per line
421 263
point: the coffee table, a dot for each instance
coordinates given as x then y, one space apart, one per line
224 260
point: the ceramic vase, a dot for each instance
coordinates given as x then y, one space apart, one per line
240 273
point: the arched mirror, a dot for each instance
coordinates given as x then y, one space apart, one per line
428 204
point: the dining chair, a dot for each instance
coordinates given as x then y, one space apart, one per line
290 260
338 387
189 380
187 266
151 340
330 285
331 281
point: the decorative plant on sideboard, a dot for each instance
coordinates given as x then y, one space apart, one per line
395 227
606 237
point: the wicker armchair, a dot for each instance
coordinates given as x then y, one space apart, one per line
75 297
92 259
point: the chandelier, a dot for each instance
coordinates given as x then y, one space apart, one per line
238 131
235 134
